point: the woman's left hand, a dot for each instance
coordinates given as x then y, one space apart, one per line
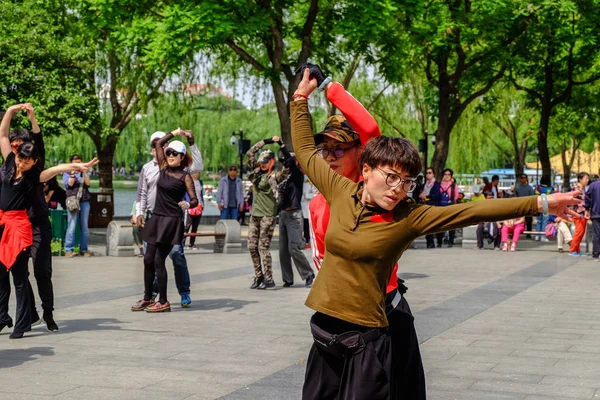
559 203
184 205
307 85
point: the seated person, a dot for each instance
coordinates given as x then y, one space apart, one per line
563 233
514 226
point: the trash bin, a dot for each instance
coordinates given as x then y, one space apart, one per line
101 209
59 226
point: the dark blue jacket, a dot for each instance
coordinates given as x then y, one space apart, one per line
435 194
592 199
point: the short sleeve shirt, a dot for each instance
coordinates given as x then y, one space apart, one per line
16 194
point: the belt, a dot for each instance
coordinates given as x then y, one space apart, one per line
291 208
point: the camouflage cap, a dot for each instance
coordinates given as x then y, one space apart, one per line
265 156
338 128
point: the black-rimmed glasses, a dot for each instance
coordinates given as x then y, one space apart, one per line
394 180
170 152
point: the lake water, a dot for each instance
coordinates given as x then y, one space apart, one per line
124 198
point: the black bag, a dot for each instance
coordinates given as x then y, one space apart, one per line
344 344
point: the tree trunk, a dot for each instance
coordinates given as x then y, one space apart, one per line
283 111
543 142
106 152
442 134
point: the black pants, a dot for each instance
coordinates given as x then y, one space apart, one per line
529 223
440 237
408 376
596 238
154 265
19 272
430 240
192 223
363 375
306 230
41 255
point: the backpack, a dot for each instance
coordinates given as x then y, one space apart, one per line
550 230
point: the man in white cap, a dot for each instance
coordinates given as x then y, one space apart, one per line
146 196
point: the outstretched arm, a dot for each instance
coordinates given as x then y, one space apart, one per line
51 172
5 127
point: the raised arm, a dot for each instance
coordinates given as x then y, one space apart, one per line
160 148
38 139
197 160
252 152
326 180
5 127
51 172
358 116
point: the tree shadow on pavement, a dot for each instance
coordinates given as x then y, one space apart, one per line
14 357
412 275
228 305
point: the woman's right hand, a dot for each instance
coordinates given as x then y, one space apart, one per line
140 221
306 85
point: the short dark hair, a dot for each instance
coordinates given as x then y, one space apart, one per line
495 178
394 152
581 175
430 168
448 170
28 151
524 175
74 156
21 134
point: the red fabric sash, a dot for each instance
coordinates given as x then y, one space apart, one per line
17 236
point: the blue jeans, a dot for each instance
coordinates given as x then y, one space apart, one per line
230 213
83 216
542 221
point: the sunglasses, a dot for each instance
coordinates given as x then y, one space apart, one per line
233 169
171 152
338 152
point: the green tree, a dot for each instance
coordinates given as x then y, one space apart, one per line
557 53
461 49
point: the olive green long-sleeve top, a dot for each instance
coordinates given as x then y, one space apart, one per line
363 242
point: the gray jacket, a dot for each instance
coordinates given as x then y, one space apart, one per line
223 191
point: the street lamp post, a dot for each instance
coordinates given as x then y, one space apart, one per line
424 146
537 166
243 147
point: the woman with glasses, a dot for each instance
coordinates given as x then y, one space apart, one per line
448 196
371 226
165 227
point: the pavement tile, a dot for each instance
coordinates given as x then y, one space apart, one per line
537 389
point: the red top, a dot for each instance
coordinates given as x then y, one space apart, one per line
17 236
367 128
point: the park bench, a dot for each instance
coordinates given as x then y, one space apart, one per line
227 234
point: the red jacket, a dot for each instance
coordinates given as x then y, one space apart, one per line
367 128
17 236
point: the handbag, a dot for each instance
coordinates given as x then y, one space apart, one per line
73 201
550 230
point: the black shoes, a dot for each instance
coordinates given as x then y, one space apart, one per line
257 282
51 326
16 335
5 324
288 284
270 284
310 280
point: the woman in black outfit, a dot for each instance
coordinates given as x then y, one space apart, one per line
19 177
165 227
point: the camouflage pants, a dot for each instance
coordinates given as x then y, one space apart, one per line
260 233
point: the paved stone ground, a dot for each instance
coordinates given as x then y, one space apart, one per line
492 325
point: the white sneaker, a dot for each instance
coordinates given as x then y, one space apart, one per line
513 247
504 246
545 239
